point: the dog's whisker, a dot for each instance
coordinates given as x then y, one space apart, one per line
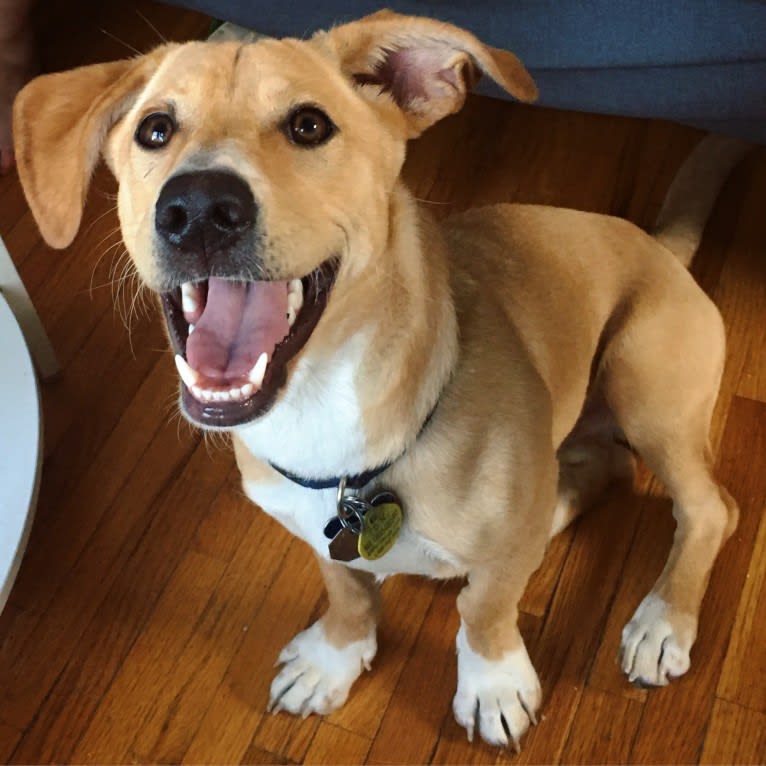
121 297
107 212
103 254
111 281
151 26
431 201
115 230
121 42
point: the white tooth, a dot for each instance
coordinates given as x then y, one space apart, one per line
235 393
188 375
247 389
197 391
295 287
189 294
206 396
259 370
295 301
291 314
191 329
221 396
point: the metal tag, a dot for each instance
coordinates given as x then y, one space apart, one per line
344 546
381 528
361 528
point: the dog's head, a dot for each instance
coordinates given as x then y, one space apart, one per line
254 180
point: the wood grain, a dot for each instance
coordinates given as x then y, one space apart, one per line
675 717
735 735
154 598
603 729
331 744
424 692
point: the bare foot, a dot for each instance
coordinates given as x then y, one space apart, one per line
15 68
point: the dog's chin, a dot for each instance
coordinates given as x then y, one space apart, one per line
240 389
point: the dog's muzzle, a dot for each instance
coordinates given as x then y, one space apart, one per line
233 331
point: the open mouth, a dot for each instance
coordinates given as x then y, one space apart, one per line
234 339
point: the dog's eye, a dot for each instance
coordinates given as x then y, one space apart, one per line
155 130
309 126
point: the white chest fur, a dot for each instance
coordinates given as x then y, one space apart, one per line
304 512
316 428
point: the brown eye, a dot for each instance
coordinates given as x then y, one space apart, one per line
309 126
155 130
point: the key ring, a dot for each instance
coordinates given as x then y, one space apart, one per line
351 509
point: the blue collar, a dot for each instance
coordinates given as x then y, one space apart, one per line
358 481
352 482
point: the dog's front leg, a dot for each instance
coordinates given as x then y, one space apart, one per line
321 663
498 691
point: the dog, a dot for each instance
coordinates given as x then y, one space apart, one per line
404 395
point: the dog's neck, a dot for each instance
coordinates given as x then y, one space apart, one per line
379 361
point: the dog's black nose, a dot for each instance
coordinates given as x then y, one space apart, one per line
205 211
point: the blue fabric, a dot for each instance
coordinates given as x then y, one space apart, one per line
701 62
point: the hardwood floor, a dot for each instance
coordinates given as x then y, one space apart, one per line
154 598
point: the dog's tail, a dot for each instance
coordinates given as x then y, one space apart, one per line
693 193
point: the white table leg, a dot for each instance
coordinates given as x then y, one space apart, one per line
34 333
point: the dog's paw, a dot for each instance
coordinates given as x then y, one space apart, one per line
656 643
316 676
499 698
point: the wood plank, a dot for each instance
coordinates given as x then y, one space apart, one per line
72 558
75 410
13 207
43 267
735 735
743 283
16 628
222 532
286 610
148 666
225 731
648 553
574 625
743 676
603 729
510 152
23 236
156 547
9 738
331 744
397 632
255 755
740 289
43 649
425 689
539 591
177 710
675 717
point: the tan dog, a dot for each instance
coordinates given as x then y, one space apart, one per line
485 370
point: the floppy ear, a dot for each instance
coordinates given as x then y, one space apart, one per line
427 66
60 122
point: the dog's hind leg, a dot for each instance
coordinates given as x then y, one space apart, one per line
591 457
661 375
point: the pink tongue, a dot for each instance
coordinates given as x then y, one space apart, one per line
240 321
